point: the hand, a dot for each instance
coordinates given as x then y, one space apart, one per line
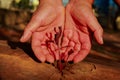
42 27
79 24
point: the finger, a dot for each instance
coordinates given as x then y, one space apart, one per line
30 28
76 40
39 53
69 50
98 34
66 38
64 44
49 58
66 53
71 57
85 49
76 50
96 28
37 49
80 56
77 45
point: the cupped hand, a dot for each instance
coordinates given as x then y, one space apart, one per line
46 22
80 23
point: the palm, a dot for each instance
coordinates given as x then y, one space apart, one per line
77 33
43 40
43 27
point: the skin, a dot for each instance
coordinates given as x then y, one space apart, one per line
117 2
49 15
79 24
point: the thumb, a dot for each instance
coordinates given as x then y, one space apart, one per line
34 23
30 28
96 28
37 20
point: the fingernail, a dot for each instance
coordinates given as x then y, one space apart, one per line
22 38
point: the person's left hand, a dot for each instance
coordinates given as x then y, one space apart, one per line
80 23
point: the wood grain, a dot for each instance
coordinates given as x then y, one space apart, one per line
17 62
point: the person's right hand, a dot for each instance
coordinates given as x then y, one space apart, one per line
42 27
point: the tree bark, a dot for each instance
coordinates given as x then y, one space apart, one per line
17 62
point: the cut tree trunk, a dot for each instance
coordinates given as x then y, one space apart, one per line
17 62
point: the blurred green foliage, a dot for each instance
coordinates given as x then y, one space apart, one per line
22 4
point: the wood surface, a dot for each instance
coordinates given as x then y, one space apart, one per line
17 62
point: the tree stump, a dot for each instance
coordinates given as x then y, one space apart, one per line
17 62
